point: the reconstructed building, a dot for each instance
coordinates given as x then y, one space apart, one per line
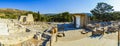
28 18
80 20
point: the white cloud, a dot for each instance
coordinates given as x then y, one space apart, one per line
115 3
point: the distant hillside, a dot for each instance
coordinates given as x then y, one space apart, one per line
52 14
12 13
8 11
56 17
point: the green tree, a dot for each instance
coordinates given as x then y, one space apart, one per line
66 17
116 15
38 16
102 11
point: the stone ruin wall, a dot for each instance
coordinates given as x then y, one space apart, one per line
29 18
12 26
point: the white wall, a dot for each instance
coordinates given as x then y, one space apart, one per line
77 21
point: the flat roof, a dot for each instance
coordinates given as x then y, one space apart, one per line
78 14
88 14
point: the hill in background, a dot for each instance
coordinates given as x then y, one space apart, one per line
9 13
12 13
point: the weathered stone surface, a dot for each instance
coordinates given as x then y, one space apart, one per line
37 36
60 35
17 32
3 29
22 18
28 18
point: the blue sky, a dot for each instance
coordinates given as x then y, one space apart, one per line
57 6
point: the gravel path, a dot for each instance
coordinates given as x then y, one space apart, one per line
88 42
72 39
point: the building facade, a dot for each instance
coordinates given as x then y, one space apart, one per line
80 20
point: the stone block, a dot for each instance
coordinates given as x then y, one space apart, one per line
4 29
